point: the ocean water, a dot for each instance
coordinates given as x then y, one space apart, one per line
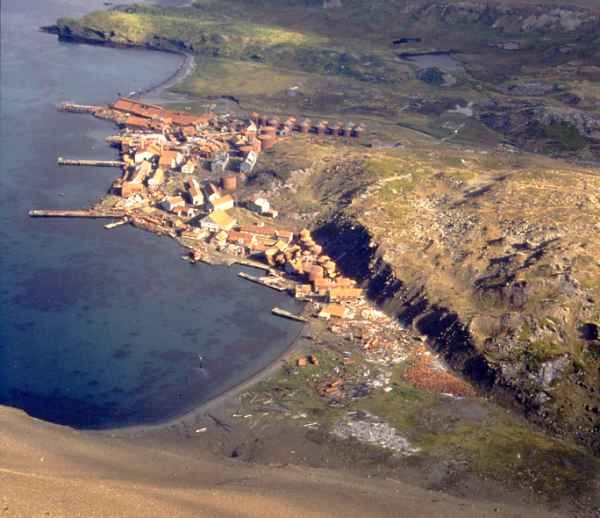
102 328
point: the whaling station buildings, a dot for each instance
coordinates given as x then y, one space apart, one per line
165 154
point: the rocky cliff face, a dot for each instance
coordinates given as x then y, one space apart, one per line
503 277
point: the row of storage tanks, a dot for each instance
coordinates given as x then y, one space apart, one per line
323 266
269 128
321 127
265 138
306 258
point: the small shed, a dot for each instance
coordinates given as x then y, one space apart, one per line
223 203
217 220
247 165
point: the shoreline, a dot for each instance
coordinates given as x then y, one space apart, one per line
220 399
257 443
185 68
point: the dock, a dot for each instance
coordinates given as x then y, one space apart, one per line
286 314
114 140
255 264
114 224
44 213
261 281
78 108
94 163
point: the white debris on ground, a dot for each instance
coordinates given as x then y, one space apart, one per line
369 429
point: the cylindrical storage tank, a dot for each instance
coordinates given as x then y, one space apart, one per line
335 128
229 183
268 130
273 122
316 272
317 250
254 117
330 266
357 131
257 145
267 141
322 127
305 126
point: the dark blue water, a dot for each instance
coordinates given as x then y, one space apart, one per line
102 328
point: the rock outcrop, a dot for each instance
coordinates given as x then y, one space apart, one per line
503 277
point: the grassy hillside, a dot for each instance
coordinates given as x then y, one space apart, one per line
530 72
492 254
491 251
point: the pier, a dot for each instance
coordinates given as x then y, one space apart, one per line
94 163
78 108
263 282
255 264
43 213
286 314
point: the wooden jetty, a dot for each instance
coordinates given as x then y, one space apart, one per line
43 213
255 264
261 281
114 224
77 108
286 314
95 163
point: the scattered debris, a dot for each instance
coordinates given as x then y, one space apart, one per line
369 429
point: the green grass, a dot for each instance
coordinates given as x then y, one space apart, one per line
541 351
567 136
496 445
515 453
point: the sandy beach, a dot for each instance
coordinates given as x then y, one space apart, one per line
48 470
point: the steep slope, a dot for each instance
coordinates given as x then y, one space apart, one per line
48 470
494 256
